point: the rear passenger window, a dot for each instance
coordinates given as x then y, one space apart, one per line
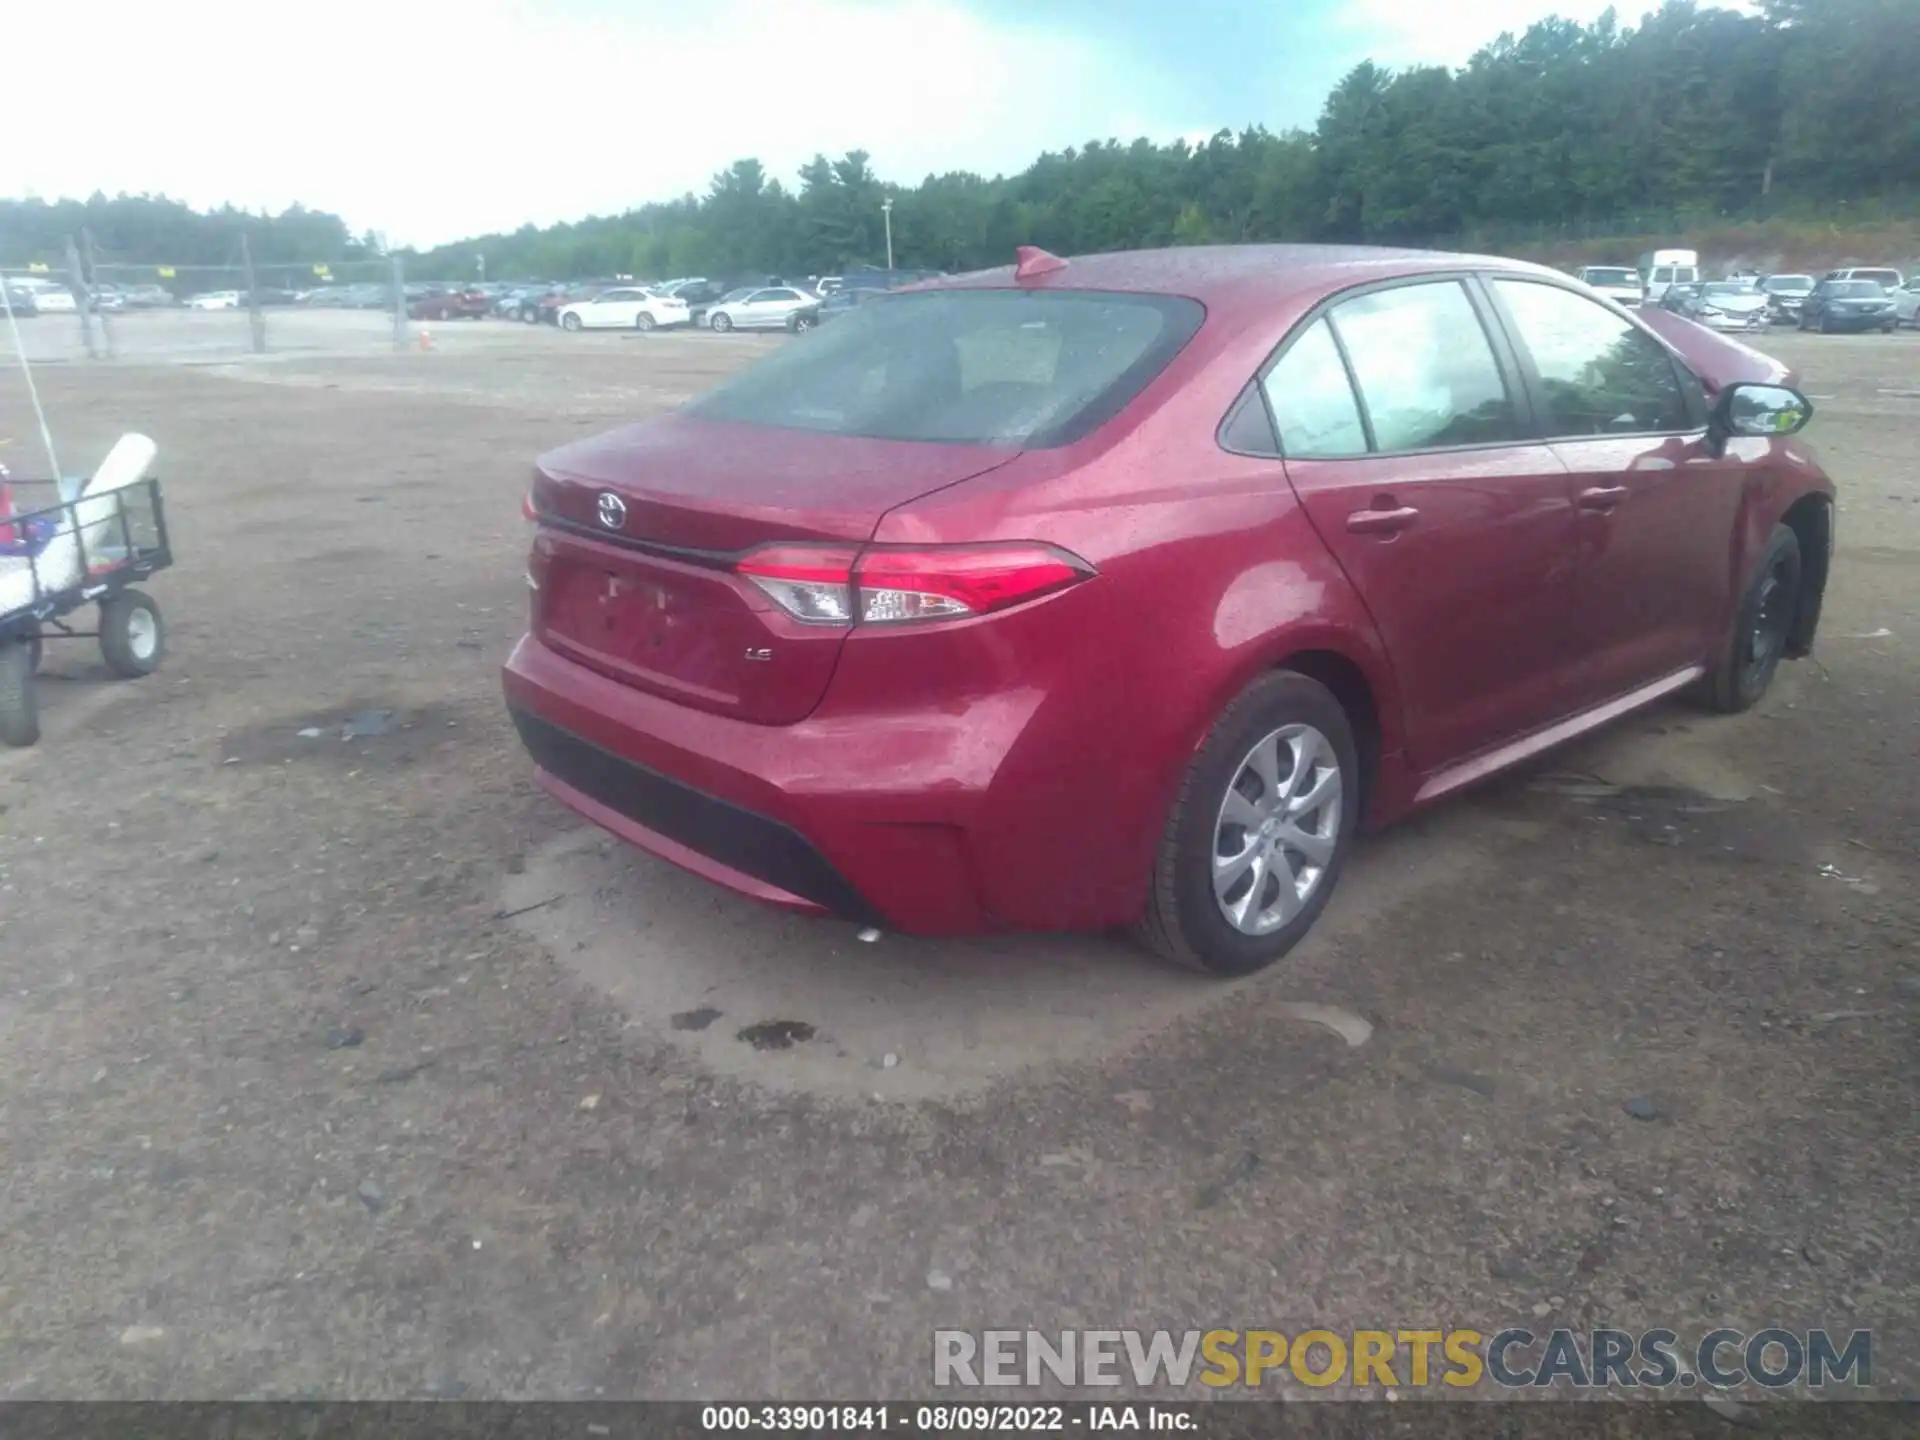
1312 401
1600 375
1425 368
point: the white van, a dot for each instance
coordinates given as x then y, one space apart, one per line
1662 269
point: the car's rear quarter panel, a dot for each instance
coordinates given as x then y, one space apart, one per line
1095 700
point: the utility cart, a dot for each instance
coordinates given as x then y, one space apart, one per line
61 553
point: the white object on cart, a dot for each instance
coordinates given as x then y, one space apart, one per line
94 525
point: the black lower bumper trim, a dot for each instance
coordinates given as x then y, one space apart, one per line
737 838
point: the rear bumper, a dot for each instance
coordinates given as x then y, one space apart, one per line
808 817
717 840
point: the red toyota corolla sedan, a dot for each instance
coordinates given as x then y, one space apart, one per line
1125 590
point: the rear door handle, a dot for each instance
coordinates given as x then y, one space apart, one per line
1602 497
1382 522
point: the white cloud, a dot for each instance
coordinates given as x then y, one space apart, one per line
432 119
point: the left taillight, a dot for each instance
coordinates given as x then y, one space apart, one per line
894 585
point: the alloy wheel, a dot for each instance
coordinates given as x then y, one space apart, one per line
1276 829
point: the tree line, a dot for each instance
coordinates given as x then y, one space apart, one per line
1808 105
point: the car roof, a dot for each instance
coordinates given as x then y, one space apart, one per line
1223 275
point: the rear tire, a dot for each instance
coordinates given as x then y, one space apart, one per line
19 707
643 321
1189 919
133 637
1751 655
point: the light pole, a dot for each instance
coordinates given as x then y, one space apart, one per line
886 214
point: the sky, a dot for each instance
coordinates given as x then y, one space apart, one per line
433 120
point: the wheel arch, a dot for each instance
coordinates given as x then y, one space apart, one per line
1354 668
1811 519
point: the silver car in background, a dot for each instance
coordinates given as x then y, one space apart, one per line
1721 304
758 307
1785 294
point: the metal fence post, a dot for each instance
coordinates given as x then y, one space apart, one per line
399 303
256 322
91 253
82 298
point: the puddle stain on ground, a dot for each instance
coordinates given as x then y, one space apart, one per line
695 1019
355 734
776 1034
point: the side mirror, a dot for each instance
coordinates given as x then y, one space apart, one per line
1754 410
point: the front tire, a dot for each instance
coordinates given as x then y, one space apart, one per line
133 637
720 324
1761 628
1260 831
570 322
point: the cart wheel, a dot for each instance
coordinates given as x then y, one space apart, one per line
133 637
19 709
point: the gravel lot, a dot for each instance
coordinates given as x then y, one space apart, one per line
288 1108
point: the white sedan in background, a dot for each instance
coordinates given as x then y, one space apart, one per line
757 307
215 300
48 297
628 308
1906 303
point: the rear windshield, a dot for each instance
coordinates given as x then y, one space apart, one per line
1787 284
1855 289
968 367
1612 277
1888 278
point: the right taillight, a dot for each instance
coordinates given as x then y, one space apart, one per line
899 584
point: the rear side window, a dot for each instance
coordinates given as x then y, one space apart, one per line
1312 401
975 367
1425 368
1599 374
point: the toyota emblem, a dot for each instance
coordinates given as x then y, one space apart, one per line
613 510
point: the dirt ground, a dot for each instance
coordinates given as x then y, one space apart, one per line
291 1103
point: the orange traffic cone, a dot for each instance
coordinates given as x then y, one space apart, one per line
426 339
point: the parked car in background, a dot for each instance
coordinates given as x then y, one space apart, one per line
215 300
22 300
148 297
1886 278
1662 268
1478 559
766 308
1848 305
1785 294
555 300
49 297
1619 283
460 304
828 307
625 307
1719 305
1906 303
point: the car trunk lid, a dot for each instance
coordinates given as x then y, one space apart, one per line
640 529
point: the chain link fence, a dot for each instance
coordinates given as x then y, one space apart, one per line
103 310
